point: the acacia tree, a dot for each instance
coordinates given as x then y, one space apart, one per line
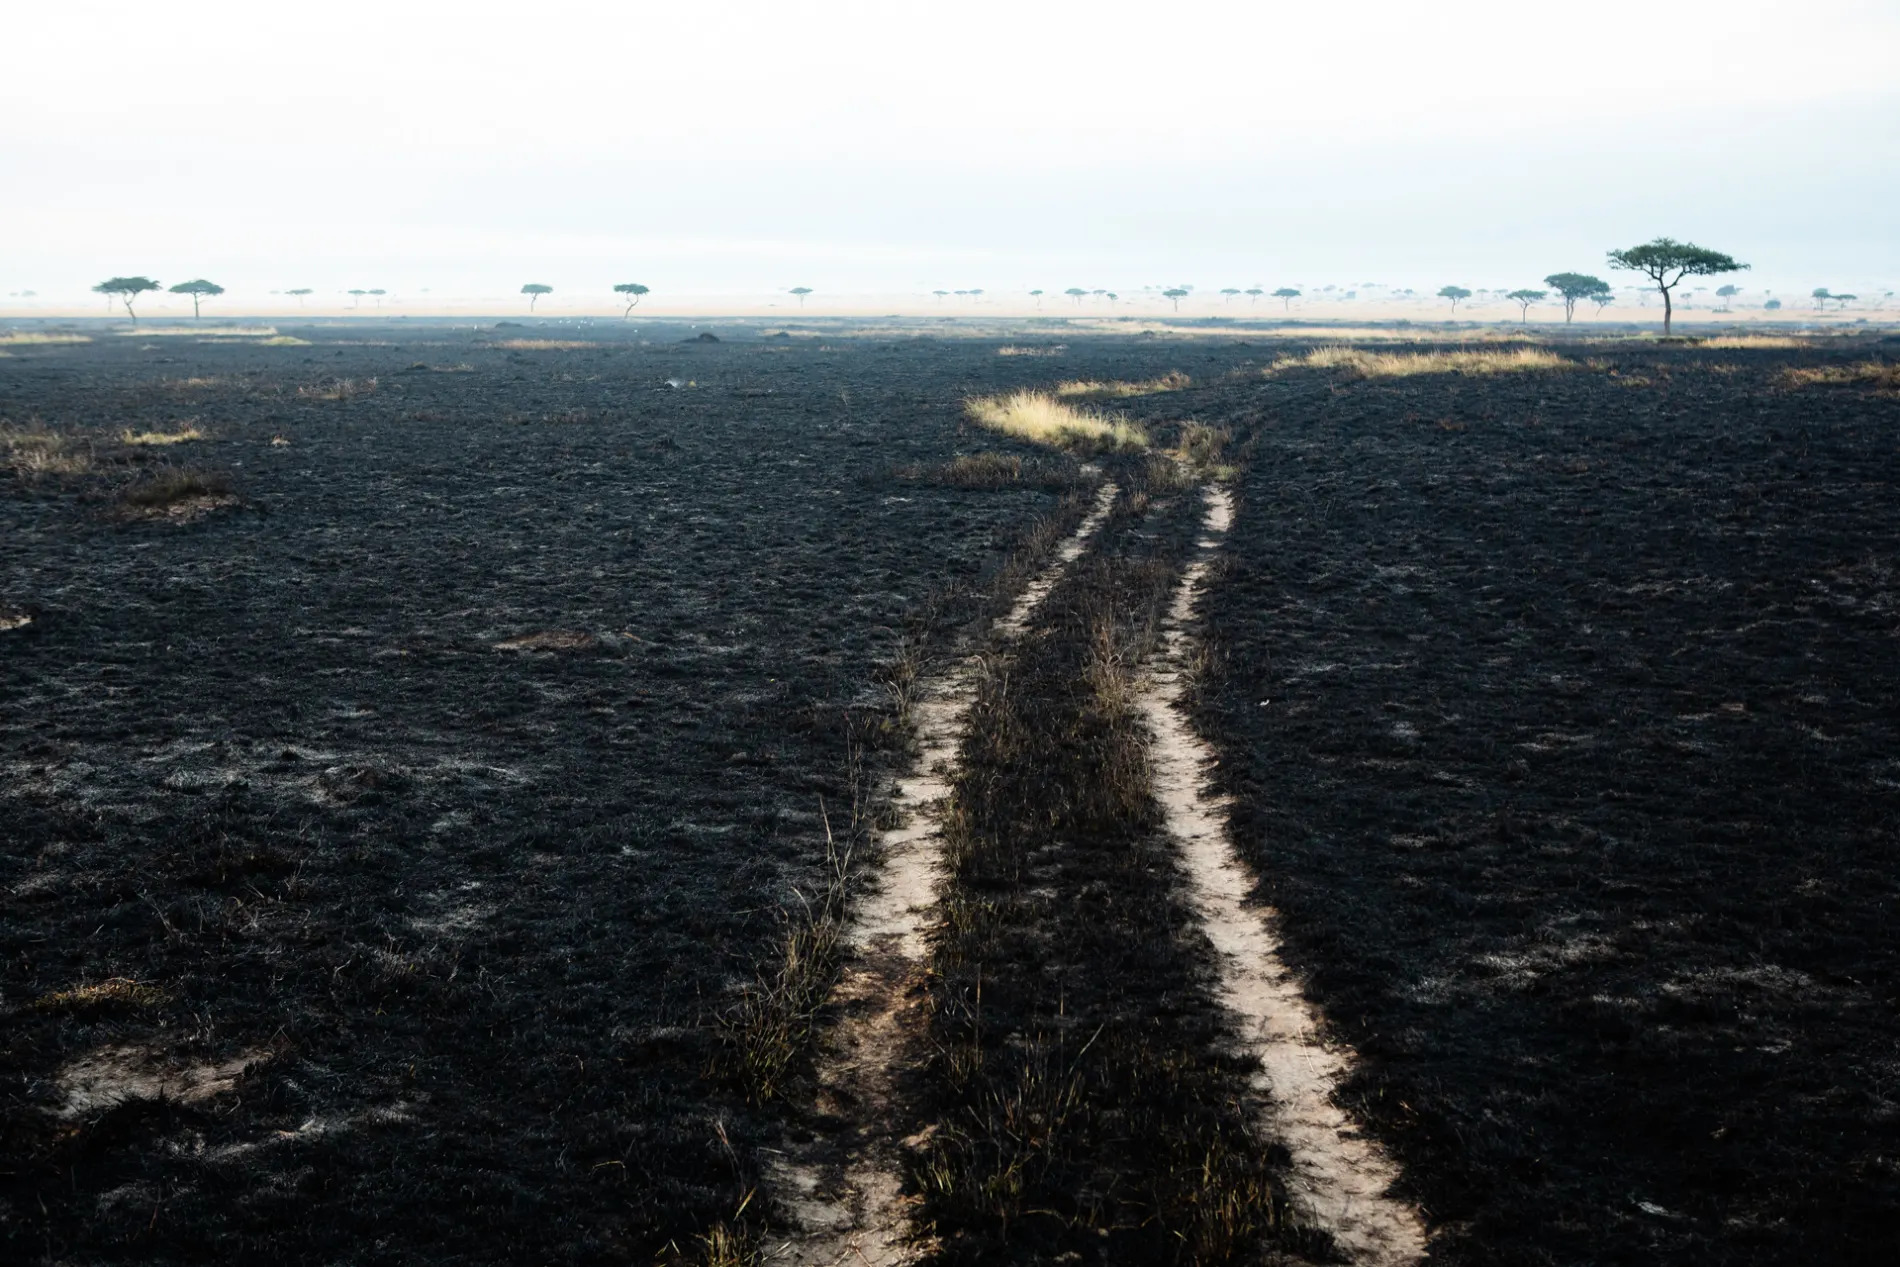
1525 298
633 291
939 294
1176 294
1666 262
1453 293
1286 295
1726 293
125 290
358 301
1602 299
1076 293
300 292
1230 292
1773 305
1575 286
199 289
534 291
1820 296
1253 294
801 292
1843 300
1037 296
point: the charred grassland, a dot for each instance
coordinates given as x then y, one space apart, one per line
1082 1099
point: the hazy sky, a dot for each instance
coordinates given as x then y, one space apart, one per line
744 147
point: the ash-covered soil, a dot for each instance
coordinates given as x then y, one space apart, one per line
398 782
1562 718
389 841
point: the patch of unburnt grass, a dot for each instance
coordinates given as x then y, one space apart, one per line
337 389
1084 1102
35 452
767 1036
38 339
1041 418
991 470
114 992
1881 376
1095 389
1367 364
175 492
148 438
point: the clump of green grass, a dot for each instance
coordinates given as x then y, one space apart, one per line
1095 389
1042 419
1367 364
168 487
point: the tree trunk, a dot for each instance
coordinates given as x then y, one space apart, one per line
194 307
1668 311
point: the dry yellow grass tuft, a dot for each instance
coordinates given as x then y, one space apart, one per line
1091 389
1403 364
283 341
121 990
34 338
338 389
161 437
1880 375
37 451
197 332
1042 419
545 345
202 383
1017 349
1756 341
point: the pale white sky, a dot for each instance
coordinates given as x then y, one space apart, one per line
744 147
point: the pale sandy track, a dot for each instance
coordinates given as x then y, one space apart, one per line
860 1216
1340 1179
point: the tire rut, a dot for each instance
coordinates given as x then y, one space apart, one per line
861 1215
1339 1178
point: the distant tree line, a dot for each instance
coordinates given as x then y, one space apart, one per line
1664 261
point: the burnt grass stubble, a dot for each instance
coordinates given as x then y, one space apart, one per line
1560 720
1619 958
482 913
1082 1099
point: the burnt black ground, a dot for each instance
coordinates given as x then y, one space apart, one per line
482 904
1561 716
1620 957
